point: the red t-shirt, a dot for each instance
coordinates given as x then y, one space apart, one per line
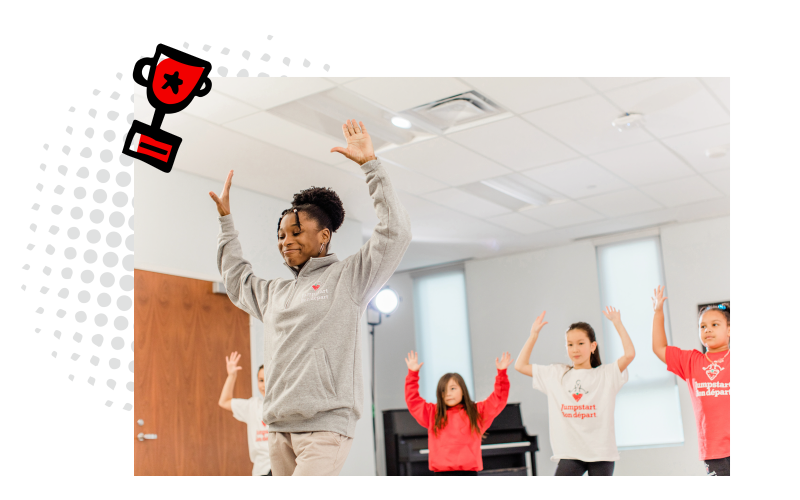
457 447
709 385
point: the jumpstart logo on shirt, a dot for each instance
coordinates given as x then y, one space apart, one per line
711 388
262 434
316 294
578 411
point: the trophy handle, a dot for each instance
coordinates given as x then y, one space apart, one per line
137 70
205 88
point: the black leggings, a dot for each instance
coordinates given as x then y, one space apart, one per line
718 466
569 467
457 473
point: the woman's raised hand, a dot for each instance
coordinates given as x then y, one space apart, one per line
658 299
232 362
223 202
612 314
503 362
412 361
538 324
359 143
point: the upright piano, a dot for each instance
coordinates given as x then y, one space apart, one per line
504 448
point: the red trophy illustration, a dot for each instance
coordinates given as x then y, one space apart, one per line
175 78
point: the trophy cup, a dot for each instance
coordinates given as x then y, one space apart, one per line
174 79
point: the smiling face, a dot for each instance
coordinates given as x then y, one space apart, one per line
579 348
296 243
452 393
715 332
262 387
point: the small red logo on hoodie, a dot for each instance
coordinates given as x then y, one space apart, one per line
314 286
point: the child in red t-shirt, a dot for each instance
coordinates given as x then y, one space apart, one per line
709 379
455 423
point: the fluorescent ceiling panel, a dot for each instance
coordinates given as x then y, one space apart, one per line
514 143
521 95
585 125
265 93
644 163
577 178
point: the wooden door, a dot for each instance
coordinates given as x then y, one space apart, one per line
183 331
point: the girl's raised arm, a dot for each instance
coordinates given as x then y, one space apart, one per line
232 366
523 364
659 333
422 411
613 315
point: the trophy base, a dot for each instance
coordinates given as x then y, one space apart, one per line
152 145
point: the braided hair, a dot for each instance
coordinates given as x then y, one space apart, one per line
320 204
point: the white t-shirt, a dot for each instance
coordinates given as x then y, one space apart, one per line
581 409
249 411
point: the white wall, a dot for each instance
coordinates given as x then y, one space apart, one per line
176 233
505 294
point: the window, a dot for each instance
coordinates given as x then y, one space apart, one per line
648 412
442 328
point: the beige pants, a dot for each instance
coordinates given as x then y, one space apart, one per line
308 453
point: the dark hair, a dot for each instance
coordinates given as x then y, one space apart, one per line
441 408
319 204
724 308
587 328
259 369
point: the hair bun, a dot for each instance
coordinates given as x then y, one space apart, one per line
326 200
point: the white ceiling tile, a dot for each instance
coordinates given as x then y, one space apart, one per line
351 167
265 93
465 203
607 83
563 214
521 95
576 178
643 163
585 125
682 191
279 132
627 202
514 143
693 147
446 161
400 94
408 180
671 106
219 108
721 179
721 86
338 80
519 223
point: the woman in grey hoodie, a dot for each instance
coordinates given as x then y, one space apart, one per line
314 388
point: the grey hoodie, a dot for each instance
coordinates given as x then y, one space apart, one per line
312 323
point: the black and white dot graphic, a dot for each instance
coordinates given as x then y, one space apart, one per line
78 273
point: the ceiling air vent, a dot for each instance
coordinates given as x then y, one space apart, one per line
458 110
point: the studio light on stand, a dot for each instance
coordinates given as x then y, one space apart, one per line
384 303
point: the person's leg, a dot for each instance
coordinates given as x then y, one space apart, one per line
281 455
320 453
600 468
569 467
719 467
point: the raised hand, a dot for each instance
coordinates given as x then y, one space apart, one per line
412 361
359 143
223 202
503 362
232 362
538 324
612 314
658 299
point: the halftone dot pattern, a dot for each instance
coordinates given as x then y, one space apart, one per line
85 185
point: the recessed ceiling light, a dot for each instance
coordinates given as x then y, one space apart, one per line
400 122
